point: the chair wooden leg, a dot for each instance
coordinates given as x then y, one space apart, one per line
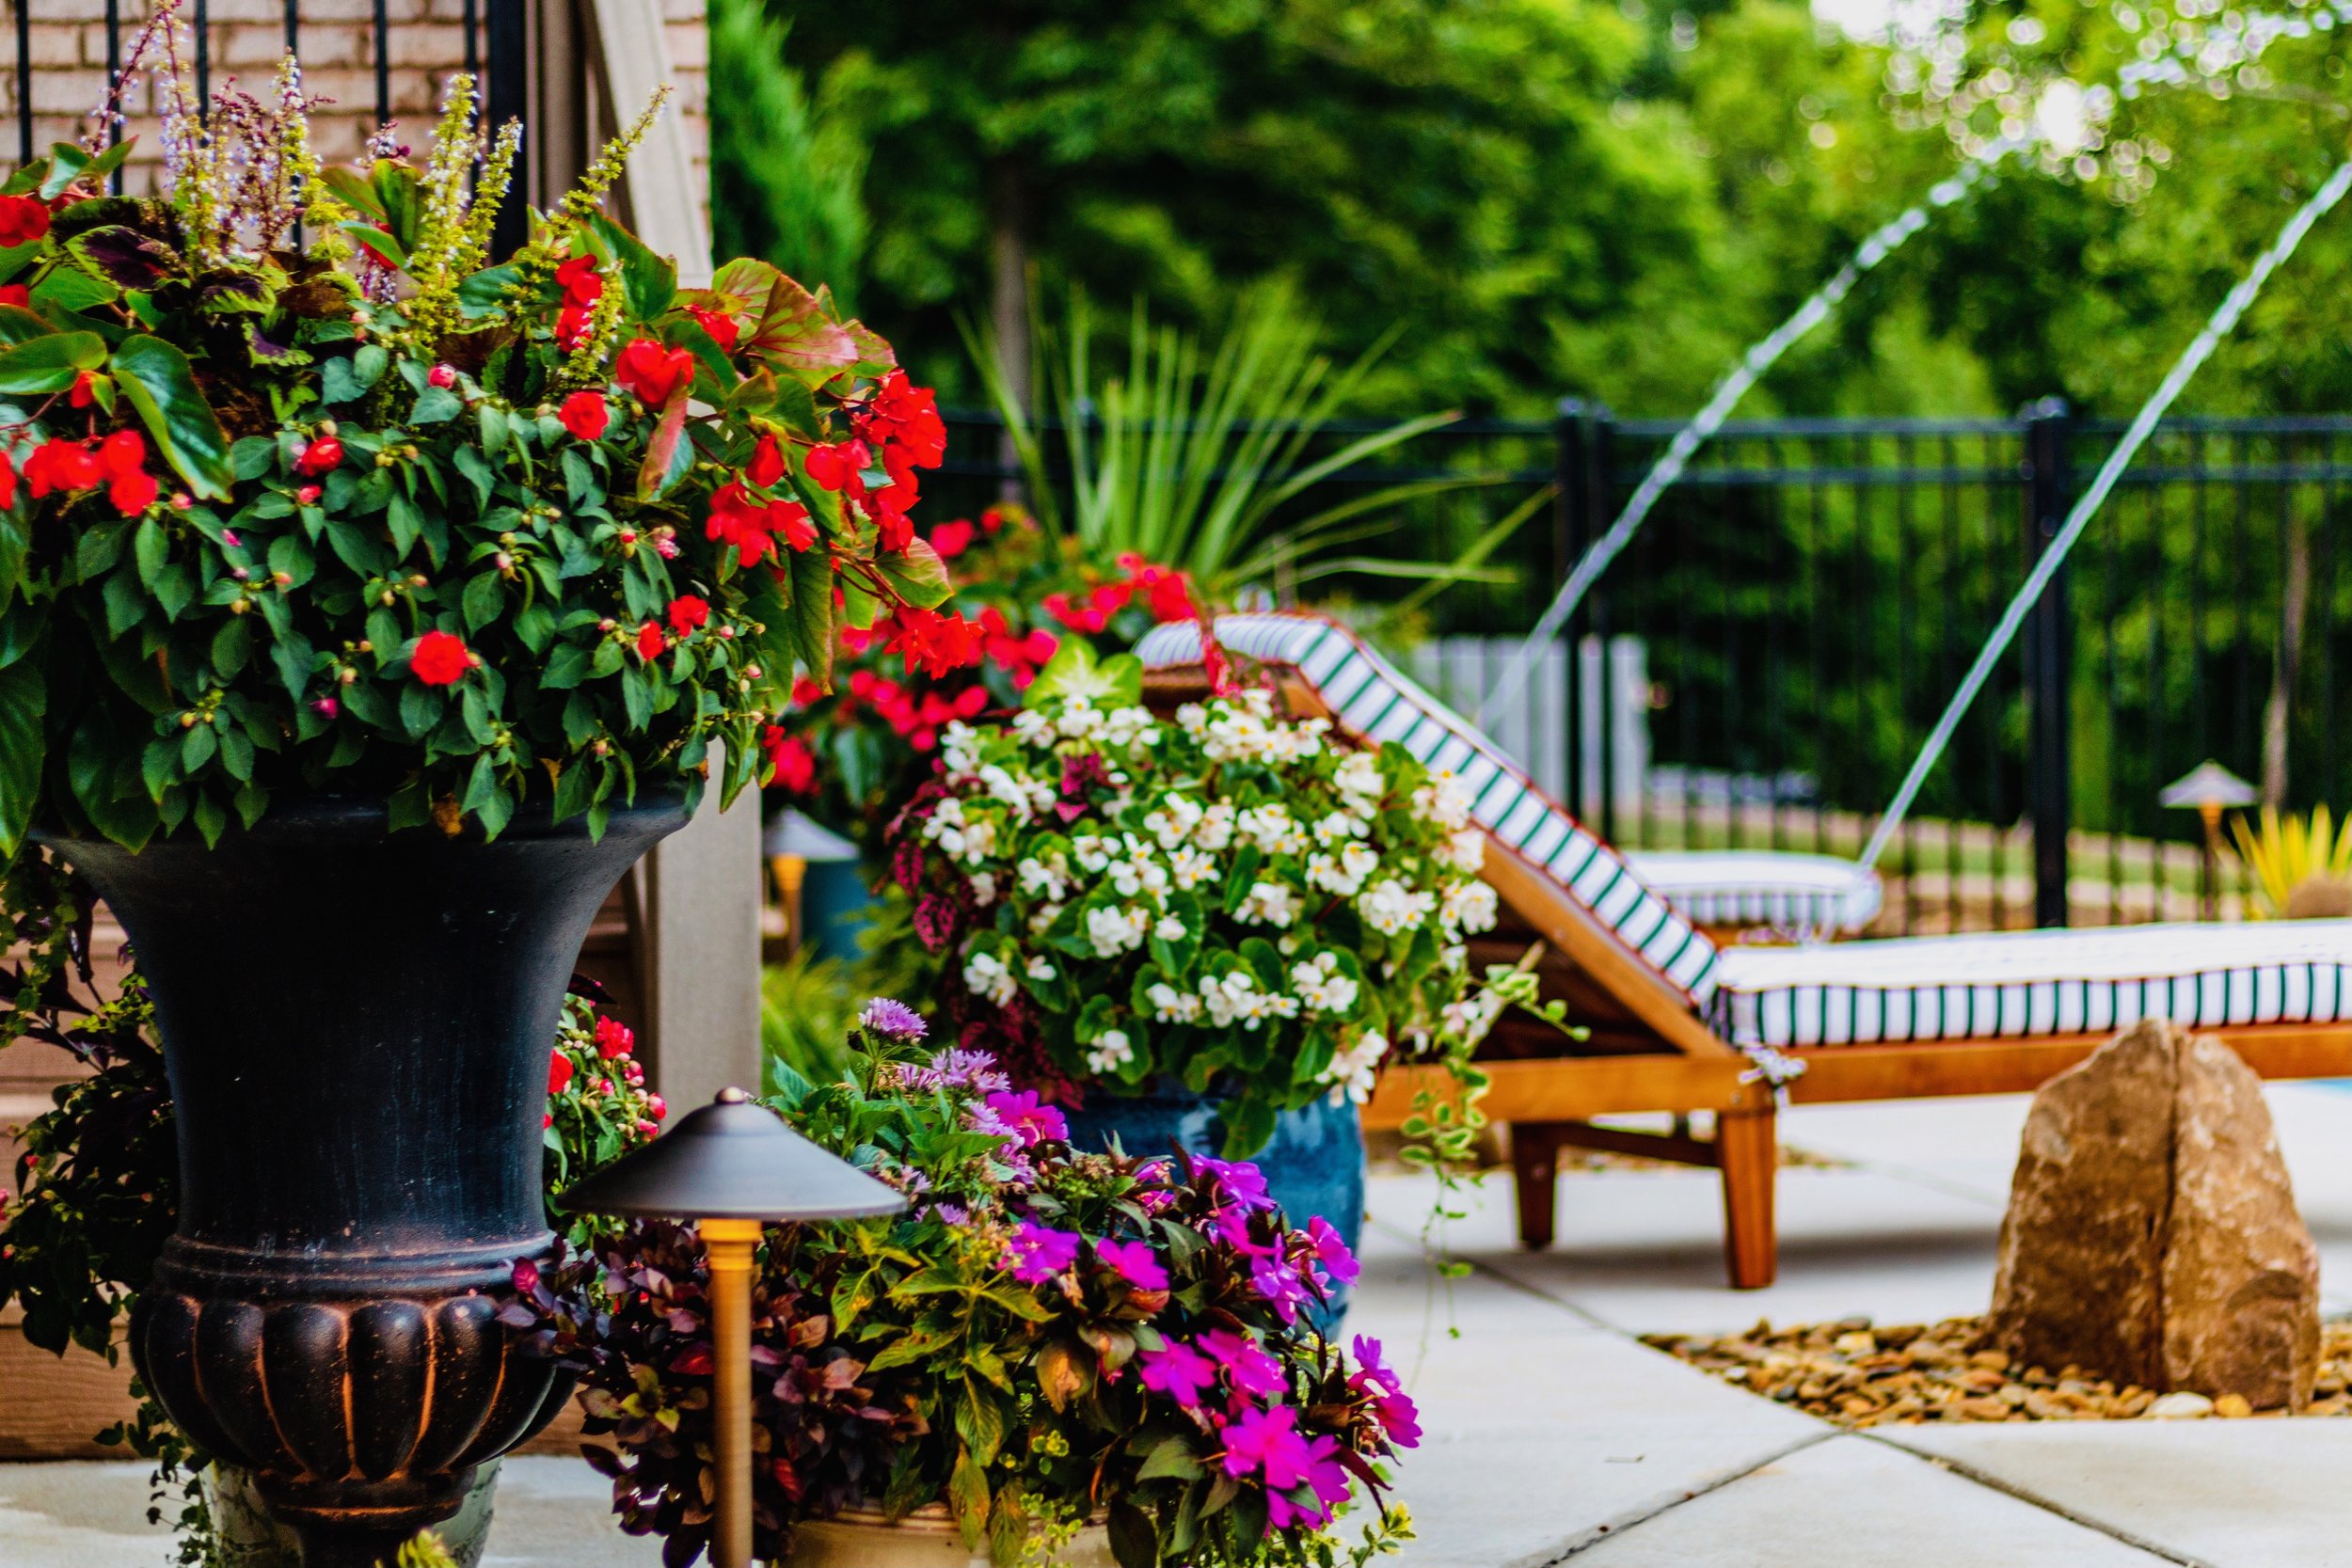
1748 1149
1535 1178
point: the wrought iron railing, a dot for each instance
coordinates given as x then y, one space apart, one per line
1790 620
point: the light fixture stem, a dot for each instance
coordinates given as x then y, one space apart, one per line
730 1245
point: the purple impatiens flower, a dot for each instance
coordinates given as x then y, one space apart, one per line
1180 1371
1134 1262
1037 1253
895 1020
1328 1250
1280 1286
1391 1406
1247 1362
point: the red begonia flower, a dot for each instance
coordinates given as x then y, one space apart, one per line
17 294
791 765
23 221
586 415
320 456
559 1072
840 466
441 658
614 1039
951 539
724 329
768 464
60 466
688 613
651 372
129 486
649 644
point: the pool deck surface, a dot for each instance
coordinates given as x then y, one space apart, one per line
1553 1436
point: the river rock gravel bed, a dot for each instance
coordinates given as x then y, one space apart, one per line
1858 1373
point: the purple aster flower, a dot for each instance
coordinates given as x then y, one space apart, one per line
1327 1249
1136 1263
1180 1371
894 1020
1037 1253
956 1068
1246 1364
1024 1117
1279 1285
1391 1406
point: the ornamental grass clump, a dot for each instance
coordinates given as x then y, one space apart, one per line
1043 1339
350 504
1225 900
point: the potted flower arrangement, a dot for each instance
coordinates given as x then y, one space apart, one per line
1052 1356
369 602
1214 927
96 1191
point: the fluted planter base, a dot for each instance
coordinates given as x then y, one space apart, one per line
357 1026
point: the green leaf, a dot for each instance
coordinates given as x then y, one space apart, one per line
669 454
1074 671
921 577
485 597
967 1494
979 1422
436 404
23 699
70 289
50 362
1172 1458
1134 1541
483 293
649 282
156 379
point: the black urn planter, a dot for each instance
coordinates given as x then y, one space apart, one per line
357 1026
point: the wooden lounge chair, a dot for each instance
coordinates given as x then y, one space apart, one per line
1679 1024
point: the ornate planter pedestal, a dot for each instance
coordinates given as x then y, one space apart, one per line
356 1027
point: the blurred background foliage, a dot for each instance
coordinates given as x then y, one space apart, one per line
1606 198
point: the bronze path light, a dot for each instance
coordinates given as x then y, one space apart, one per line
2210 789
731 1166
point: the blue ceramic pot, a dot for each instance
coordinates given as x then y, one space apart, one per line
1314 1164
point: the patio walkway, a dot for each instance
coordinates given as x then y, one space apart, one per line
1552 1436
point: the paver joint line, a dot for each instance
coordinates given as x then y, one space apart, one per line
1609 1529
2009 1489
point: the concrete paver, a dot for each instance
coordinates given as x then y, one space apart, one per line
1847 1502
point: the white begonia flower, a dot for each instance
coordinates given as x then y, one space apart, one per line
1078 720
1469 1019
1443 803
1111 1049
1169 929
1175 819
1322 987
1216 830
1389 907
1171 1006
1289 743
1033 728
1114 931
1453 956
1269 904
1469 906
1001 785
1138 873
960 747
1049 878
1339 824
1039 968
1190 867
1344 874
979 838
1353 1070
1465 851
1360 775
985 975
1272 828
1192 718
984 886
1235 999
1043 919
1129 728
1093 854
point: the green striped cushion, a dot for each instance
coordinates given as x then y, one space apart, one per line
1375 701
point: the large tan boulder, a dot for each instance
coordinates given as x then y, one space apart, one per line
2152 1235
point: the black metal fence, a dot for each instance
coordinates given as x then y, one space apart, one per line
1792 620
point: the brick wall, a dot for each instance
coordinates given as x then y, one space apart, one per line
425 44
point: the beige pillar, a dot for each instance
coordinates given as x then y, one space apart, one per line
698 948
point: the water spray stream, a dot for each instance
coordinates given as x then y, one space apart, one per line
2144 425
1760 359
